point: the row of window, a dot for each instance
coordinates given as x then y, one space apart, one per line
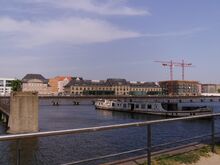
79 93
117 89
137 106
34 84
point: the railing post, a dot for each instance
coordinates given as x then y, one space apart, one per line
213 134
149 144
18 154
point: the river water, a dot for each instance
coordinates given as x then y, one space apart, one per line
69 148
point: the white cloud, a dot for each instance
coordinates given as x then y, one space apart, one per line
75 31
177 33
107 7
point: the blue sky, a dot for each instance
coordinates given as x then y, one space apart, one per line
97 39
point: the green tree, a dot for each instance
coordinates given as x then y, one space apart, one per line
16 85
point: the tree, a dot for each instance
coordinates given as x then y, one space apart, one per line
16 85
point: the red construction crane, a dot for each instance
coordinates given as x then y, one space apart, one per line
183 65
171 64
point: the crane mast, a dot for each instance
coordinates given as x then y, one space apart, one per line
171 64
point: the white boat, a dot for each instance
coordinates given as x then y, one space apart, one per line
168 109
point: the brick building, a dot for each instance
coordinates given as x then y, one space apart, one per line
180 88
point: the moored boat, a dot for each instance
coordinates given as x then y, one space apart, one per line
155 108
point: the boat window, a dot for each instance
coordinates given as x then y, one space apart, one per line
124 105
149 106
137 106
143 106
113 104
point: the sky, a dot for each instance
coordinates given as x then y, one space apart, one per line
100 39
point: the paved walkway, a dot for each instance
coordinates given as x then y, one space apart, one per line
173 151
214 159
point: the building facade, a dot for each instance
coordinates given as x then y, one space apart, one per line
119 87
5 86
87 87
57 84
36 83
145 88
180 88
210 88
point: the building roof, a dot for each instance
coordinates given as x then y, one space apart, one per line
28 77
81 82
113 81
144 84
110 82
179 81
61 78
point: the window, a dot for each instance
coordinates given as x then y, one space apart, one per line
137 106
124 105
143 106
149 106
1 83
8 83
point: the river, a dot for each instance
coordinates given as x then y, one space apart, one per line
68 148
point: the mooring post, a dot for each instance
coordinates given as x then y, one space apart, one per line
149 144
18 152
213 134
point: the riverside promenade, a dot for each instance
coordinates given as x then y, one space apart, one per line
213 159
210 158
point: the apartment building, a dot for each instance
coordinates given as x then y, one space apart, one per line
5 86
57 84
145 88
119 87
87 87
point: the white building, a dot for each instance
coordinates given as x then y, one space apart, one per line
5 86
63 83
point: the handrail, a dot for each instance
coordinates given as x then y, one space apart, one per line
100 128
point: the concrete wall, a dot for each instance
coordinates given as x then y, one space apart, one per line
23 112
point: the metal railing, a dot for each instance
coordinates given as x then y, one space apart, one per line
5 106
19 137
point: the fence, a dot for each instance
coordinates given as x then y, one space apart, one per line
149 147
